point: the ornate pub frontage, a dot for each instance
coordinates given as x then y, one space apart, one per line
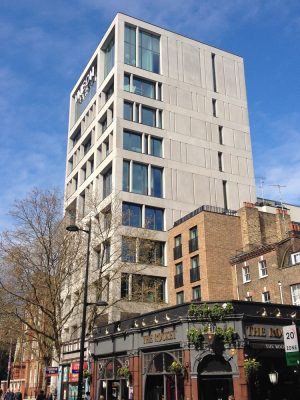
198 351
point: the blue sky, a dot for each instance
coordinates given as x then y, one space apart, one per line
46 44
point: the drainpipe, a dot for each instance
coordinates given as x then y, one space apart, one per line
236 282
280 291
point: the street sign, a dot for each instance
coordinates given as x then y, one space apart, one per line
291 345
75 367
51 371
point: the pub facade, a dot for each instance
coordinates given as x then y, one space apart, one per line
178 354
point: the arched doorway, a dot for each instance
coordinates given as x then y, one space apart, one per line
160 383
214 378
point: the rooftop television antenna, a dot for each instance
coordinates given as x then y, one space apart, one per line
279 187
261 186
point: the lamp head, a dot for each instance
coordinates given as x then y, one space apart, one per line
72 228
273 376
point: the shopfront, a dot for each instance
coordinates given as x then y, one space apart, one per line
69 380
153 358
265 344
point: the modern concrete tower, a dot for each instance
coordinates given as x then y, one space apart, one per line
161 122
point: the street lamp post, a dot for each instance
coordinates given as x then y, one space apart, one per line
75 228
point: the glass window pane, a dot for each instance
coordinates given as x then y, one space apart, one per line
149 218
159 221
149 51
109 57
196 293
137 86
128 111
124 285
132 141
140 178
132 214
156 147
148 90
148 116
143 87
128 249
195 262
126 176
178 268
156 182
127 83
107 180
136 215
130 45
154 218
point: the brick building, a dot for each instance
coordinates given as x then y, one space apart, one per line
216 254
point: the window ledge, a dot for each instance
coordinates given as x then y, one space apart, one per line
262 277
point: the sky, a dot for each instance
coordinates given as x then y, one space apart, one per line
46 44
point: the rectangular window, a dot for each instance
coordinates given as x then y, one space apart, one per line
146 144
177 241
295 292
224 183
76 136
107 183
103 124
106 249
246 274
178 278
154 218
265 297
220 134
156 146
129 249
220 161
87 145
148 289
143 87
148 116
139 178
177 250
127 82
195 269
124 286
109 59
151 252
179 268
195 262
193 241
196 293
180 297
214 107
262 267
158 95
128 111
98 258
213 62
132 141
248 298
295 258
149 54
156 182
130 45
110 91
159 119
126 176
132 214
